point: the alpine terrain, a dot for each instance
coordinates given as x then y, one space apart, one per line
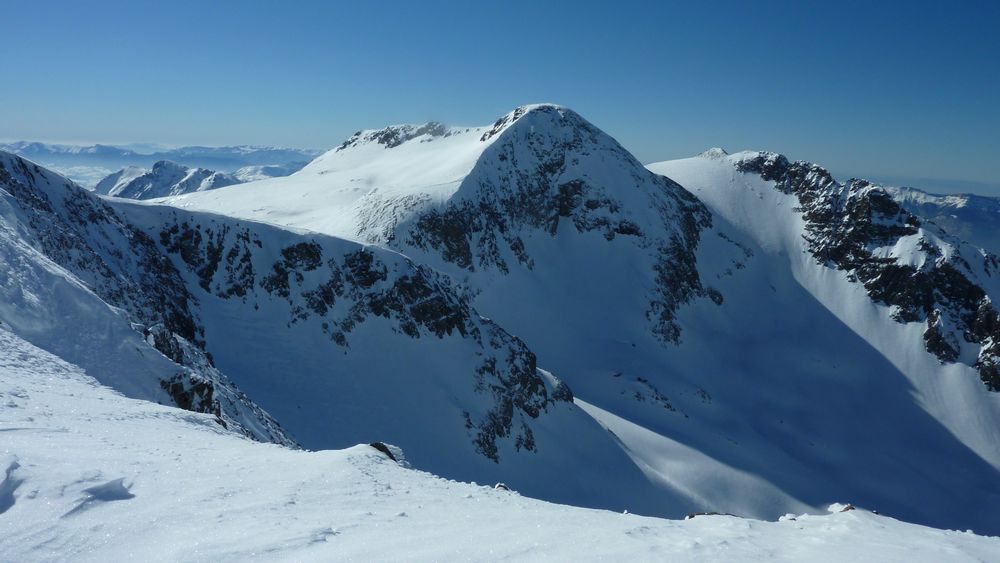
525 305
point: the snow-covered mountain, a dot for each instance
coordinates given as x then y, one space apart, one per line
89 475
525 302
116 181
340 343
164 179
169 178
87 165
761 339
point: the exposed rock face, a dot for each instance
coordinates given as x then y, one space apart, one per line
125 268
395 135
548 171
856 226
84 235
345 290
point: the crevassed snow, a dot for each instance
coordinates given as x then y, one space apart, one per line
89 475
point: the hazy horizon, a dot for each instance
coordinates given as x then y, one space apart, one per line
864 90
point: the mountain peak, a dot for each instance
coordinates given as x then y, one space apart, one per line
520 111
715 152
166 178
163 166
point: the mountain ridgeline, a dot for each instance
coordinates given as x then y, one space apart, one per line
525 302
941 281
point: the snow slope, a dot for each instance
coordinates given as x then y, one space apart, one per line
878 368
116 181
265 171
703 333
361 188
90 475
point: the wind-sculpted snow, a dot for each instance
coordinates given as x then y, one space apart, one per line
915 268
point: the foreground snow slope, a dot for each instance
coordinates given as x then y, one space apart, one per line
89 475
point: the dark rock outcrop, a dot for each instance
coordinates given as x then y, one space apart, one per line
849 226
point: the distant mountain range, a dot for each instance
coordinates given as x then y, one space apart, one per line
87 165
169 178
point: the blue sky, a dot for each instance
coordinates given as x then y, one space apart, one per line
909 91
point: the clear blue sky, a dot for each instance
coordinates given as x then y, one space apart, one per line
880 89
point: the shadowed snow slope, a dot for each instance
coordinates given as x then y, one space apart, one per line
881 368
172 485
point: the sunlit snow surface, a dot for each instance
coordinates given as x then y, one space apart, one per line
89 475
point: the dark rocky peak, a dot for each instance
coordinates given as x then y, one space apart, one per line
395 135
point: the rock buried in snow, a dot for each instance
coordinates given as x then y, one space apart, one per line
395 453
693 514
384 449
